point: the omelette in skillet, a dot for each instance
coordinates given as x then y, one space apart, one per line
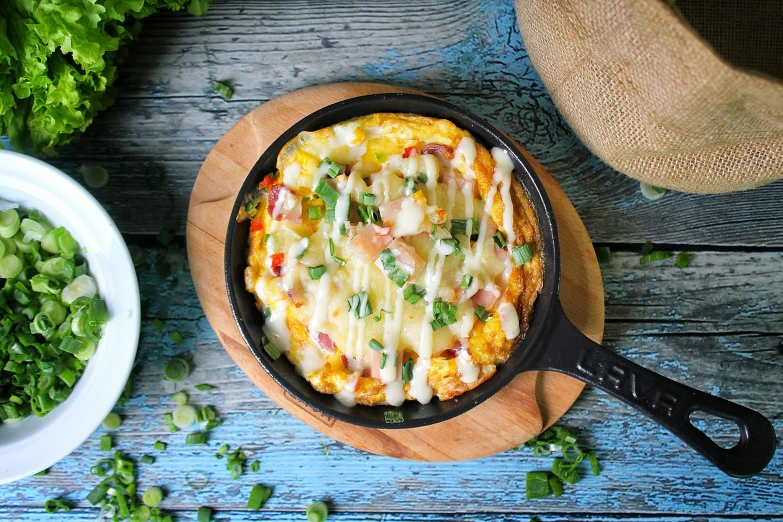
393 258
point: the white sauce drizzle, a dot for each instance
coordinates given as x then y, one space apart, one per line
350 347
468 370
347 396
420 389
291 261
502 177
275 326
322 297
467 194
395 394
431 170
509 319
452 194
467 148
392 326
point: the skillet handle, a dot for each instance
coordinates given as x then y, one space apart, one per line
667 402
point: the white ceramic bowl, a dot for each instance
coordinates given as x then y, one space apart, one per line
34 444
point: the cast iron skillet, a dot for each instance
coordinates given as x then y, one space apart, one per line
552 342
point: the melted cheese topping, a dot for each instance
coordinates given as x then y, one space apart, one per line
332 298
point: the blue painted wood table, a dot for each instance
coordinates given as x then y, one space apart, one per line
716 325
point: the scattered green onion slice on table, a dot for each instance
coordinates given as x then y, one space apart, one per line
196 479
176 337
147 459
536 485
603 254
106 442
255 466
196 439
651 192
152 497
258 496
160 446
95 176
204 514
181 398
655 256
169 419
683 260
205 387
317 512
158 324
184 416
112 421
224 90
54 505
176 370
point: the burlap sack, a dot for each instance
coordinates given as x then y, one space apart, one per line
648 96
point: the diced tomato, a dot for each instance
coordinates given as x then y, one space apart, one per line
326 342
256 224
410 151
268 181
277 263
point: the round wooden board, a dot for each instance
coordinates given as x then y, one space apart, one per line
530 403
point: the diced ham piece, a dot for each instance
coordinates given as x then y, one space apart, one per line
502 253
408 260
487 296
444 151
282 204
375 365
390 210
326 343
370 242
461 182
406 216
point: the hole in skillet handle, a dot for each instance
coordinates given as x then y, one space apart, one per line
724 432
249 319
663 400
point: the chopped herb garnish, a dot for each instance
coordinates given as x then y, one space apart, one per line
655 256
160 446
112 421
383 360
196 438
444 314
359 304
414 293
482 314
421 177
158 324
411 185
407 371
467 280
522 254
270 349
204 514
387 259
316 271
683 260
266 237
500 239
393 417
399 276
315 213
176 370
603 254
376 346
258 497
367 198
459 227
331 168
306 242
224 90
327 193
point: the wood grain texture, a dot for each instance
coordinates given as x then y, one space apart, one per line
716 325
647 472
516 414
167 117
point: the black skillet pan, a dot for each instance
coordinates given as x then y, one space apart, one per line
552 342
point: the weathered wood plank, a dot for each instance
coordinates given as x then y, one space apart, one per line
32 515
646 470
167 118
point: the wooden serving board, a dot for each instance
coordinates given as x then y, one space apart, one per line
530 403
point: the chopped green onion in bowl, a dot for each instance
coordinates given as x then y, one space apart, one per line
51 317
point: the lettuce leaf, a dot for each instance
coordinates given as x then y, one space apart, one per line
58 63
